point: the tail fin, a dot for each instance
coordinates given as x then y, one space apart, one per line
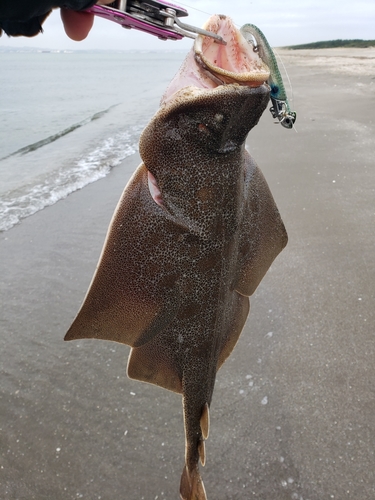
191 487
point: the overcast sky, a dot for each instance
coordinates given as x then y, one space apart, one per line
284 22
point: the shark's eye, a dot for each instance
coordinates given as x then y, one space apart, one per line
203 128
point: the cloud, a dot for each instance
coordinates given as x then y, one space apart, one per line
284 23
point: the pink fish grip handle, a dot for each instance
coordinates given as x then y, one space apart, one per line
129 21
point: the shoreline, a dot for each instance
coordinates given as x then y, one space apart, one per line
341 60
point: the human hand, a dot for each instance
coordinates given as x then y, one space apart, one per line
77 24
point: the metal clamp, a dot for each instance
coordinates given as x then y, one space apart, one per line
280 111
155 17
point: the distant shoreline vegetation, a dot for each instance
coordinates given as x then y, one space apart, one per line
356 44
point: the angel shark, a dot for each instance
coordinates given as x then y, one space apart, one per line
194 232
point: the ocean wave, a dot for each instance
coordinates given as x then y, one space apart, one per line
94 165
52 138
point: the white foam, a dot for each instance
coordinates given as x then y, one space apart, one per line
56 185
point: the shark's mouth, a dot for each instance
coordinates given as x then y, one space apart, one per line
212 67
210 64
235 62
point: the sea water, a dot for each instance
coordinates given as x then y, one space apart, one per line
68 118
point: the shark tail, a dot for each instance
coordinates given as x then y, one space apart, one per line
191 486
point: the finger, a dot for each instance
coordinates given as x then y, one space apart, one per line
77 25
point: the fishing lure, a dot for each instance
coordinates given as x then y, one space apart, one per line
280 107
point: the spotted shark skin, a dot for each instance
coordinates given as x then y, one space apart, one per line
194 232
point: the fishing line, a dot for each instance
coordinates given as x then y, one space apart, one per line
194 8
286 72
203 11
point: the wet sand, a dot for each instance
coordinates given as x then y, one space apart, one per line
292 416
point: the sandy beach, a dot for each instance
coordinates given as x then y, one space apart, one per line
292 416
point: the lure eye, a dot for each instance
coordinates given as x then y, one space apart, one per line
287 122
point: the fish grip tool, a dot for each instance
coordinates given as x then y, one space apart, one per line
155 17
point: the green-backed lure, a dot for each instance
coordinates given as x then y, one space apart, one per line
280 107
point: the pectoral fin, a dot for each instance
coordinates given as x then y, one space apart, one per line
130 322
130 299
263 234
238 314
